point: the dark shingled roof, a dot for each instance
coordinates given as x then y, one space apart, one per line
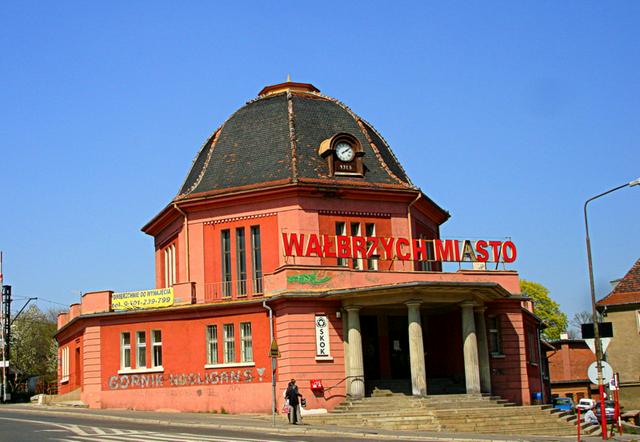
628 289
275 138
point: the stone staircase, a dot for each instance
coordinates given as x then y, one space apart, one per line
464 413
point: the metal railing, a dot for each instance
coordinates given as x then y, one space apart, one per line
233 289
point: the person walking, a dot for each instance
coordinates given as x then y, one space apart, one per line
293 396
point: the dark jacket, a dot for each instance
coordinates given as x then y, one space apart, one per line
293 395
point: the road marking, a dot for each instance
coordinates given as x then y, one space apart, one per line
86 432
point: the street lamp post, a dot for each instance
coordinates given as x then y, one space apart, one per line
596 329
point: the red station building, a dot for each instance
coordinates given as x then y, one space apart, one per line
297 221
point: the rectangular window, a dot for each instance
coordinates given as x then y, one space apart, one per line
241 261
638 320
212 344
246 342
495 338
141 349
341 230
533 348
427 265
372 263
156 348
170 265
356 230
225 240
125 350
65 364
229 344
256 259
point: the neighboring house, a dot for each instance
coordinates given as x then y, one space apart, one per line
568 363
621 307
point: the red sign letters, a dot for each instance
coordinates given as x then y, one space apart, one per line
445 250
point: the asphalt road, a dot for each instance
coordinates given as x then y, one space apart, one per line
16 426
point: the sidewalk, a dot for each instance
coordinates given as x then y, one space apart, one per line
264 424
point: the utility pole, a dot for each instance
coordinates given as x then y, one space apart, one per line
5 324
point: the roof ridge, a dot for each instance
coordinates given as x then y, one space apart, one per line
212 139
390 150
375 149
292 138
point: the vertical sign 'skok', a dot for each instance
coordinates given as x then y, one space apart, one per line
322 337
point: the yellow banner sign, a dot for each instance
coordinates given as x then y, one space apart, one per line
142 299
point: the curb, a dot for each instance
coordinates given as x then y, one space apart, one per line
230 427
293 430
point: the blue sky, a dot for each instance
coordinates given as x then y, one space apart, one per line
508 114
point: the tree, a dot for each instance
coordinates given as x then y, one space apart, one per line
583 317
545 308
33 346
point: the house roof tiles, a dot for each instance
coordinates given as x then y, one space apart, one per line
627 291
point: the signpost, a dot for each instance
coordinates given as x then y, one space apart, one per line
274 354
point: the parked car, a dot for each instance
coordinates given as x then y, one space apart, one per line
563 403
585 404
609 410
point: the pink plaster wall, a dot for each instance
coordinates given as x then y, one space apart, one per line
510 373
295 334
90 394
347 279
96 302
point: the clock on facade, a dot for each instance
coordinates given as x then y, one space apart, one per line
344 151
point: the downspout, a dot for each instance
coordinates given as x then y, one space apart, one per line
186 233
273 364
541 367
409 220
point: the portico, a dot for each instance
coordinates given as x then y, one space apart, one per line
374 329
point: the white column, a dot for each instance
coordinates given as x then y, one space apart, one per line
470 346
416 351
345 333
356 366
483 351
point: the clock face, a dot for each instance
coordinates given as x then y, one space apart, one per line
344 151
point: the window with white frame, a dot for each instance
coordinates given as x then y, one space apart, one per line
341 230
64 364
241 261
370 228
141 349
246 343
125 350
356 230
229 344
256 259
212 344
156 348
170 265
638 320
225 241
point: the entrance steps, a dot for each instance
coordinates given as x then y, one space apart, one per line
451 413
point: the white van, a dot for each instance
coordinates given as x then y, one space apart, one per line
585 404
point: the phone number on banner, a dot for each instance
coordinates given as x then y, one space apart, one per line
142 299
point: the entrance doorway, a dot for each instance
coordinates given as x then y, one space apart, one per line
385 352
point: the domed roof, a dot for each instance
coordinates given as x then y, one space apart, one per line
275 139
